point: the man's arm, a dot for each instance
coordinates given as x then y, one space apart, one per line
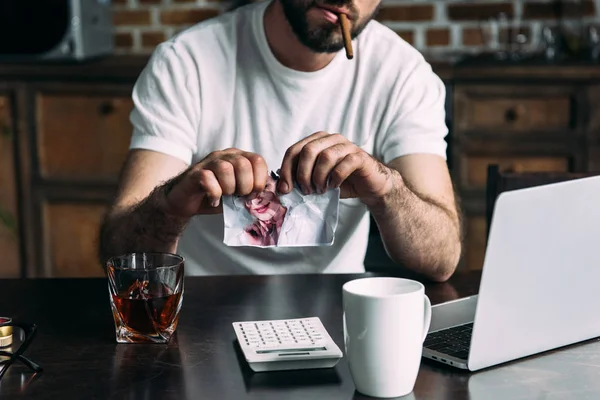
418 219
159 194
138 220
412 199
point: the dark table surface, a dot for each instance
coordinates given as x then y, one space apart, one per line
76 346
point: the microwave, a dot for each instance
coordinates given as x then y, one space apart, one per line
55 29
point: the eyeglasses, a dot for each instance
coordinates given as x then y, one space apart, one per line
22 336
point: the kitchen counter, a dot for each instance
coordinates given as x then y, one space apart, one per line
126 68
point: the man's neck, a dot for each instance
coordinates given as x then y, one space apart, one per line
285 45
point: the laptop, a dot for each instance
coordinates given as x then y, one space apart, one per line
540 283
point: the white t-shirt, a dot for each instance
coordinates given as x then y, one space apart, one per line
218 85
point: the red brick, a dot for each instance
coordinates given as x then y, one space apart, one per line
472 37
131 17
409 36
123 40
406 13
153 39
437 37
542 10
192 16
476 12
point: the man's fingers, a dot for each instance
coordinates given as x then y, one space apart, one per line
349 164
209 185
308 158
326 162
218 154
260 171
244 175
239 173
290 162
286 182
225 174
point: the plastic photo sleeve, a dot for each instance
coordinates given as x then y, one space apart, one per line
271 219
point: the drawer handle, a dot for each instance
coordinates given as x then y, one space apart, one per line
511 115
5 131
515 168
106 108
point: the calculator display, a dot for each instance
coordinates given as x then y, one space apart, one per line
291 350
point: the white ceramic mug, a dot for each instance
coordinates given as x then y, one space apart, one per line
385 323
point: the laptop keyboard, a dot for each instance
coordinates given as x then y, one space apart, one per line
453 341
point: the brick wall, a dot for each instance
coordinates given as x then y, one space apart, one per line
432 26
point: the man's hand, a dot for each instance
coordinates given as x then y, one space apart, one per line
198 189
324 160
412 199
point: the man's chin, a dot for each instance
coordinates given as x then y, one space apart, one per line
323 44
326 49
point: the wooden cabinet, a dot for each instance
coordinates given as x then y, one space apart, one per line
60 159
525 121
65 132
82 134
81 139
9 217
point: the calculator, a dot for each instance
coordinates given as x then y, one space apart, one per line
286 344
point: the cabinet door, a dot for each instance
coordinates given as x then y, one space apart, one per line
82 139
82 136
71 236
9 229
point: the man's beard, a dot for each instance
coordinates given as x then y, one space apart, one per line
322 38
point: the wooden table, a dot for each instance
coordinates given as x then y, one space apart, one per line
76 346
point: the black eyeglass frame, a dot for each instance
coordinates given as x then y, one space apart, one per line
30 331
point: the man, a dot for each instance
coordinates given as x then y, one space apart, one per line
268 86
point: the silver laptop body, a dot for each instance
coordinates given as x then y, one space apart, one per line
540 285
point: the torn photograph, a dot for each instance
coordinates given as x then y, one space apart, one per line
271 219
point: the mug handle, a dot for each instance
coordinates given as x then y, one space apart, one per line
427 317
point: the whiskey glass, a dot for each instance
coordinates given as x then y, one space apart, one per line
146 294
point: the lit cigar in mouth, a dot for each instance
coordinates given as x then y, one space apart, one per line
345 25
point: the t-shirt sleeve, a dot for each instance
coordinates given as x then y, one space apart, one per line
418 116
166 102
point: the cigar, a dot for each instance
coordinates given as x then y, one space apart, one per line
345 25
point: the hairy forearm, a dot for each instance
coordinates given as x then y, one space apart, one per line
418 232
144 227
